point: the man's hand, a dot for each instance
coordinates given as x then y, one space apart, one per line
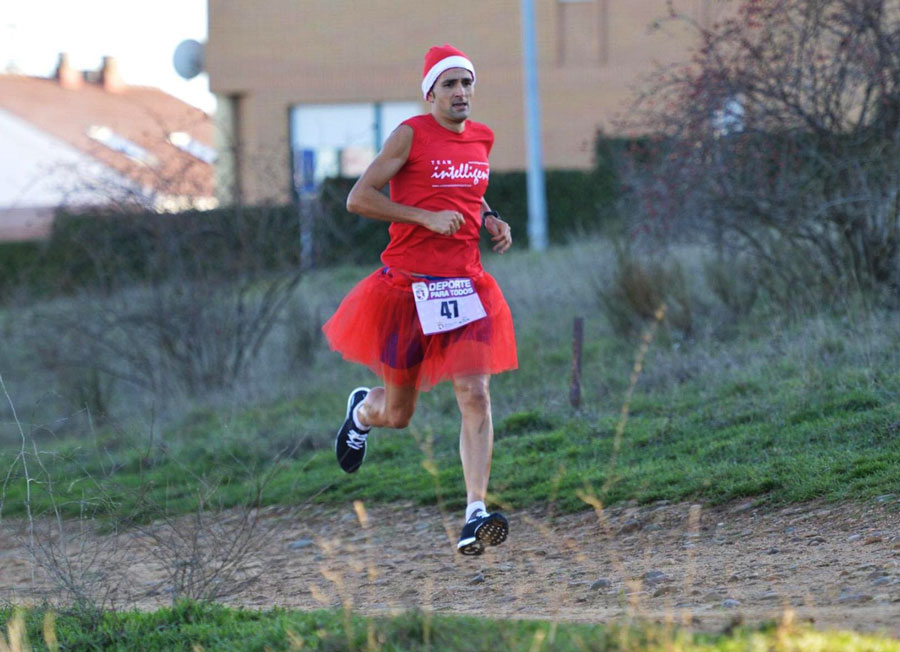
500 232
445 222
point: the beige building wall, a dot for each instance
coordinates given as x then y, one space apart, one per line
264 57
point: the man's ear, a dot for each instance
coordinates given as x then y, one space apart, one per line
430 96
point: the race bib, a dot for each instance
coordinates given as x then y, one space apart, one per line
446 304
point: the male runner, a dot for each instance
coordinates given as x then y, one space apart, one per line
431 313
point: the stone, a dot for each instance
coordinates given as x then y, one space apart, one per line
629 526
854 598
656 577
664 589
300 544
730 603
602 583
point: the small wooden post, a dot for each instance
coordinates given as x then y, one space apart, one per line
575 386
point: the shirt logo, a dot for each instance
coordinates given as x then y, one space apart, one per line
461 175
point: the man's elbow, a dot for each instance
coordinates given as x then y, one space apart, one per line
352 203
356 202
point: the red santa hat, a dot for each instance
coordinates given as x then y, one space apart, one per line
441 58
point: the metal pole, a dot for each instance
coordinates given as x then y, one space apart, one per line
537 196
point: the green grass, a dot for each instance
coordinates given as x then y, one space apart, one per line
766 409
770 409
765 433
193 626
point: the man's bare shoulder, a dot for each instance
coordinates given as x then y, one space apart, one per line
399 142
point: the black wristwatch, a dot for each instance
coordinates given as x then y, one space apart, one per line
486 213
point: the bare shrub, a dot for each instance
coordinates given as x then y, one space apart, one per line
87 564
637 290
304 334
782 139
734 283
212 551
170 310
110 556
209 554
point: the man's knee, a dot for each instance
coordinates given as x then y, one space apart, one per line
473 394
399 416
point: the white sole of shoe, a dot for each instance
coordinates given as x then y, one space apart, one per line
492 532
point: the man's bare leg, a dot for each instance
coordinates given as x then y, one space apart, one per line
385 407
476 447
391 406
476 436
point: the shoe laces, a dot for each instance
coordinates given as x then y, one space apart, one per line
356 440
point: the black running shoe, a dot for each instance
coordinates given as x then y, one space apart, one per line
480 530
350 444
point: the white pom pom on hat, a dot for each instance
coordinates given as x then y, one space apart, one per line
441 58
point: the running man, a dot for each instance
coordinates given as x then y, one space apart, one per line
431 313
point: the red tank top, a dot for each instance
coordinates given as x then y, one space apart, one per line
445 171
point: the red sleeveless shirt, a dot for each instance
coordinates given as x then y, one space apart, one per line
445 171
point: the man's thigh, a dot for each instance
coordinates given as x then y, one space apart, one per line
399 399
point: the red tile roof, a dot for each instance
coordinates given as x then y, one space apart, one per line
144 116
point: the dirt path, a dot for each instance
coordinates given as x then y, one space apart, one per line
833 565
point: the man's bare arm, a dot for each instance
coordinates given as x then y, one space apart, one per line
500 231
366 199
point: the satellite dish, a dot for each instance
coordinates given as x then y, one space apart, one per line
189 58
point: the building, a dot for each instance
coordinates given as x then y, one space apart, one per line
87 139
312 88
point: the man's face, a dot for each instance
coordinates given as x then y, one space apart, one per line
451 95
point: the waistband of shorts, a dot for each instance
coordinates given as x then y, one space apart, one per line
390 271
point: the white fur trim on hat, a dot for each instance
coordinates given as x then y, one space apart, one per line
441 66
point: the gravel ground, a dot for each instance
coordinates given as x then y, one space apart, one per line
834 565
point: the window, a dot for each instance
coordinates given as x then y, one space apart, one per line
183 141
331 140
120 144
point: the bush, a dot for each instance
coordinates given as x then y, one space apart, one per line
639 289
782 140
578 201
22 264
112 249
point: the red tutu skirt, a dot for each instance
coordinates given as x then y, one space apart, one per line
377 325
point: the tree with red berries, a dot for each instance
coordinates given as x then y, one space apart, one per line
781 140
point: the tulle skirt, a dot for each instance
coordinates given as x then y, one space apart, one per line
377 325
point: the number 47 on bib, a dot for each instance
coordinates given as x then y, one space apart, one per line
447 304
